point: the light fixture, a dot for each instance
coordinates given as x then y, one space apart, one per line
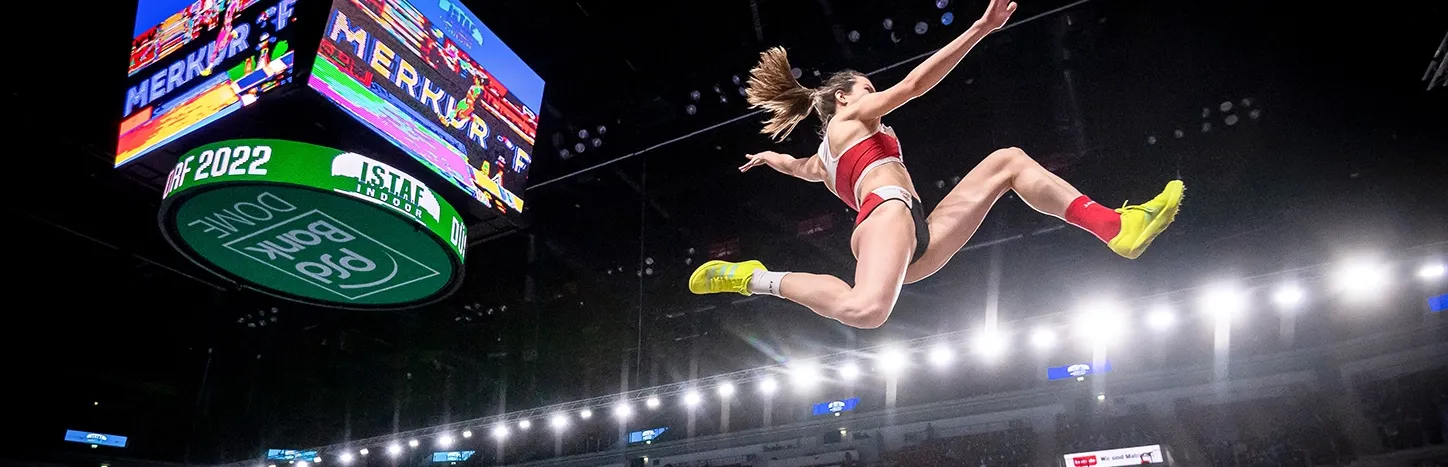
768 386
346 458
849 371
692 398
1361 278
363 451
726 389
558 421
622 411
1043 338
803 375
1288 296
525 424
990 343
500 431
445 441
1224 300
467 433
585 414
891 361
1161 318
941 355
652 402
1431 271
394 449
412 443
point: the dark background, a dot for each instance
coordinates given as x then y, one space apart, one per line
1347 156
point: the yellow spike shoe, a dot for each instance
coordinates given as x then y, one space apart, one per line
1141 223
723 276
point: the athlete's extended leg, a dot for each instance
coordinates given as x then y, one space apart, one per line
1127 231
882 243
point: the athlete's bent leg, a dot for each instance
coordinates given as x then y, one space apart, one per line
882 243
1127 231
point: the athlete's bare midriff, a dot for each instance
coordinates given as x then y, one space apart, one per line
841 133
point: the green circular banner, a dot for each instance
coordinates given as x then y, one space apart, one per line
313 224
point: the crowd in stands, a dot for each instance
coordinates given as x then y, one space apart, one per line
1294 429
1011 447
1407 411
1085 429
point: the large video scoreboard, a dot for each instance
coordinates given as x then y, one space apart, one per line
428 76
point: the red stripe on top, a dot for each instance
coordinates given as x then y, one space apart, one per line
854 161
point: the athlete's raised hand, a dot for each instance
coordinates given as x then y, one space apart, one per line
774 160
997 13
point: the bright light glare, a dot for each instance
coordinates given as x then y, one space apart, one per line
622 410
525 424
444 441
467 433
804 375
394 449
500 431
891 361
585 414
653 402
941 355
1432 271
1362 278
558 421
692 398
1100 322
363 451
1043 339
412 443
726 389
1224 301
1161 319
768 386
346 458
1288 296
990 344
849 371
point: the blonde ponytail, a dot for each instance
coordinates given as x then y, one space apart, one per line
772 87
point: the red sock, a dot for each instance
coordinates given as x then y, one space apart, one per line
1101 221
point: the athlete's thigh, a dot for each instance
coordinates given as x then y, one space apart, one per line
883 244
957 217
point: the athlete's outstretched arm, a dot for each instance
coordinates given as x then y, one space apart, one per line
929 73
807 169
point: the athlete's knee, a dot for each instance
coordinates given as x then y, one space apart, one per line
1010 156
863 312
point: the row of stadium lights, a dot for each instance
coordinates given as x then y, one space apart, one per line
921 27
1099 322
586 140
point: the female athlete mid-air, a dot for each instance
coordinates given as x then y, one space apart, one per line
859 161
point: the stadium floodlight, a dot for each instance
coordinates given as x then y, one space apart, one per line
412 443
525 424
1361 278
558 421
804 375
1224 300
363 451
653 402
1288 296
990 343
1100 322
849 371
1043 338
1161 318
445 441
622 411
1432 271
941 355
768 385
500 432
395 449
726 389
1101 397
346 458
891 361
692 398
467 433
585 414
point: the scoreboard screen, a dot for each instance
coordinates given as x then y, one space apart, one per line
195 61
428 76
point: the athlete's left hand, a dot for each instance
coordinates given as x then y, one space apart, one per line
773 159
996 14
